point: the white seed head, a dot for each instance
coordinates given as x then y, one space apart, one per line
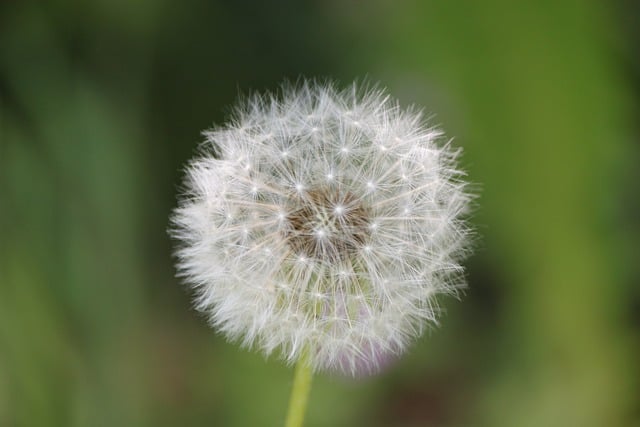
323 222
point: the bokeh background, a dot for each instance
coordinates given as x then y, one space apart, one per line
103 101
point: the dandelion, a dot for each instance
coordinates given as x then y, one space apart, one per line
322 225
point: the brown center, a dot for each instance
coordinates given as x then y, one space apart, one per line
327 225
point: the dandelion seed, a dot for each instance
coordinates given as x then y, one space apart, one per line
326 224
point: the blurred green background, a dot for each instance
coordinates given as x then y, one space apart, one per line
102 102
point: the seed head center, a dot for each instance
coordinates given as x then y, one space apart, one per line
327 225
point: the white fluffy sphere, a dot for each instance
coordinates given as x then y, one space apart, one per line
323 222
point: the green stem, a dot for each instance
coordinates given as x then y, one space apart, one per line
300 392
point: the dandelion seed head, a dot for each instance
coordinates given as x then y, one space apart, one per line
323 222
